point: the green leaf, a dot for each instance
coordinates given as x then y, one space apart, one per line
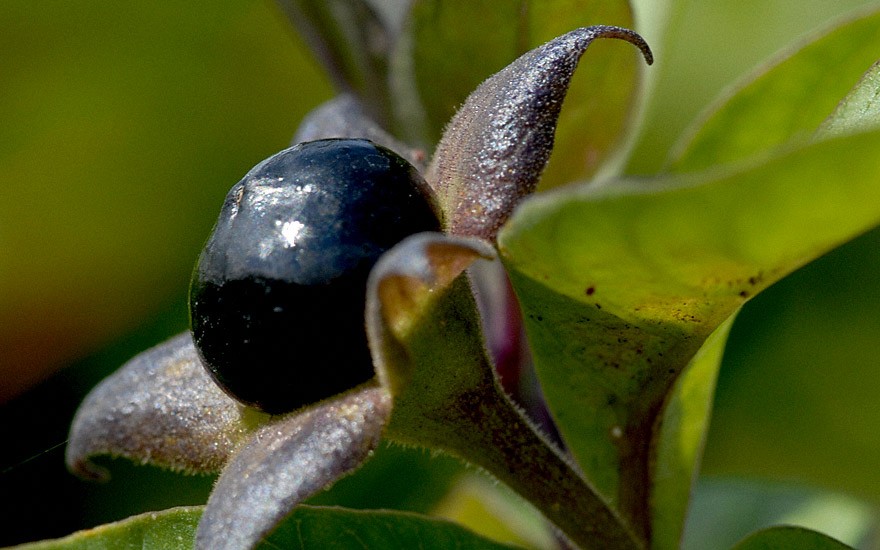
306 528
785 100
312 527
793 538
681 439
804 357
452 54
704 48
622 283
726 510
860 109
172 529
427 347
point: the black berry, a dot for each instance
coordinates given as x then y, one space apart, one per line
277 297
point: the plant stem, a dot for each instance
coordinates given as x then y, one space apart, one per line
486 429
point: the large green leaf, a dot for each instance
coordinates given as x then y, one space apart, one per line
308 527
621 283
453 53
680 441
173 529
797 395
789 538
805 365
787 99
705 48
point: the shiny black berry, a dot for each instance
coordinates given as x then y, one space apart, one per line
277 297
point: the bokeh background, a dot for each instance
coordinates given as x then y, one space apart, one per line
123 126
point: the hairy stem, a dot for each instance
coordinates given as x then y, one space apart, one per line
484 427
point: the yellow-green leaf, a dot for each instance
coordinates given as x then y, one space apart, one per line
622 283
787 99
860 109
308 527
173 529
680 442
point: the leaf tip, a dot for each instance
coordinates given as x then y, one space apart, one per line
495 148
634 38
79 465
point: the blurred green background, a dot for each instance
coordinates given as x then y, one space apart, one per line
125 125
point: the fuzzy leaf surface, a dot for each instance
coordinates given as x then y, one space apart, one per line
443 33
622 283
785 100
495 148
160 408
286 462
425 335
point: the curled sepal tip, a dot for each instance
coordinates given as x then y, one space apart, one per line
288 461
401 284
159 408
495 148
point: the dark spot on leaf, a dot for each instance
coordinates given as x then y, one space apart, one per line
590 290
